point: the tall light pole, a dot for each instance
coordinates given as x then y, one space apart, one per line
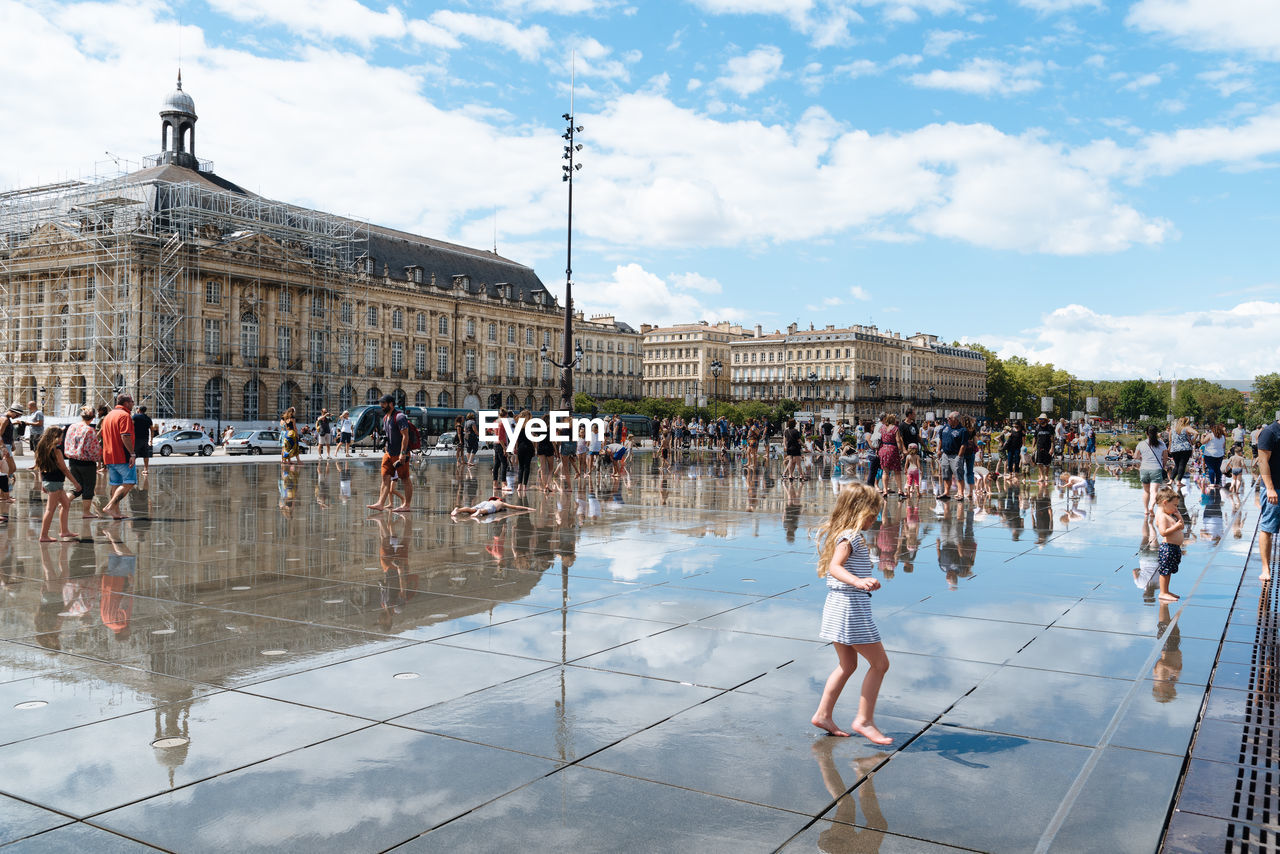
570 152
716 368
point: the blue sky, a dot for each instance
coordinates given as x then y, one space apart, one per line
1079 181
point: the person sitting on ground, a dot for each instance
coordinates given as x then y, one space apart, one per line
488 507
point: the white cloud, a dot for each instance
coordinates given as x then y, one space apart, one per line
333 20
527 43
859 293
1142 81
983 77
659 176
1046 7
1107 346
327 19
938 42
633 292
750 73
1243 146
1229 78
555 7
696 282
858 68
908 11
1252 26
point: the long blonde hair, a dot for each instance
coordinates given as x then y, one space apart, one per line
856 508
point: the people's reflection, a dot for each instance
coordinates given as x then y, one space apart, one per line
791 510
288 488
1211 521
344 481
1168 667
1011 511
948 546
1042 515
1144 577
846 835
49 608
396 586
117 602
887 538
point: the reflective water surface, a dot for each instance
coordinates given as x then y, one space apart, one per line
254 661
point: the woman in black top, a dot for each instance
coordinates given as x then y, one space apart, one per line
546 462
54 476
1013 446
524 452
792 447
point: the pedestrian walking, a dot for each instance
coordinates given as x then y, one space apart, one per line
847 622
117 452
83 451
54 477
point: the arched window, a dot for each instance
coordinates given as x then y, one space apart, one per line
546 402
400 397
420 397
249 336
315 400
528 401
213 399
289 395
60 334
442 399
346 397
495 400
511 401
443 325
372 395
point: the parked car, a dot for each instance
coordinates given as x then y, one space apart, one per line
189 442
254 442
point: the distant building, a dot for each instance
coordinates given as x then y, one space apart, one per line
678 359
208 301
857 371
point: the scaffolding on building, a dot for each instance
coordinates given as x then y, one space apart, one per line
101 290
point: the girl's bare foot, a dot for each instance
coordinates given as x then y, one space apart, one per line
1168 597
871 733
829 725
1265 575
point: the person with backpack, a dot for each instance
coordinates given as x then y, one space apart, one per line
401 437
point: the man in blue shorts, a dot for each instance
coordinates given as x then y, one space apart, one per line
1269 471
118 453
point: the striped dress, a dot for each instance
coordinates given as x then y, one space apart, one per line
846 616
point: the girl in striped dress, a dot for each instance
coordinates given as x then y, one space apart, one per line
846 618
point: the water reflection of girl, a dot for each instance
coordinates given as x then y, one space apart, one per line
846 833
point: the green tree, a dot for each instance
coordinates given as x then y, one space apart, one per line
1136 398
1265 399
583 402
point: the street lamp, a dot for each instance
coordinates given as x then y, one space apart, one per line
567 367
813 389
716 368
568 169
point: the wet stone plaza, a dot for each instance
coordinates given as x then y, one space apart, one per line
255 662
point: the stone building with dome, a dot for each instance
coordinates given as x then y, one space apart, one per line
207 301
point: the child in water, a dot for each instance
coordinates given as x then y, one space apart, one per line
846 618
913 470
1171 526
488 507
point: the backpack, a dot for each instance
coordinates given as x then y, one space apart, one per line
415 438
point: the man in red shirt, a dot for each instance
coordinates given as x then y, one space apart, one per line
117 453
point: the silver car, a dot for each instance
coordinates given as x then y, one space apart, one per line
189 442
254 442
